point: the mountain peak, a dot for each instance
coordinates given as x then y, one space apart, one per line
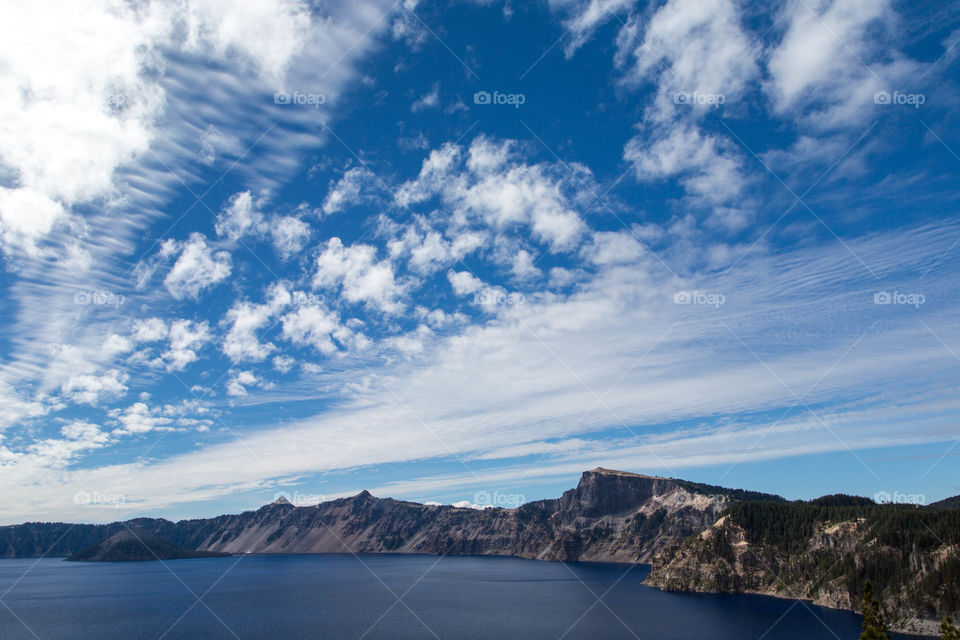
281 500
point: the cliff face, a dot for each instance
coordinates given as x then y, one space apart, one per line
916 581
609 516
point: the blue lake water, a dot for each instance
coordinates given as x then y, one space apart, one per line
261 597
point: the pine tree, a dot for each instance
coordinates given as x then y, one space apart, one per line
874 625
948 630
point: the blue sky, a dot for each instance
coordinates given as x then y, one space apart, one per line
447 251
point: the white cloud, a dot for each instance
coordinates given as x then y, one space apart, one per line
87 389
356 186
819 68
289 234
427 250
283 364
356 271
25 216
186 337
71 116
430 100
198 268
613 247
464 283
240 217
433 176
241 343
584 16
84 432
487 155
691 46
536 371
523 266
14 406
499 194
138 418
115 345
312 325
239 381
705 164
93 104
149 330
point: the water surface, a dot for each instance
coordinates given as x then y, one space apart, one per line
269 597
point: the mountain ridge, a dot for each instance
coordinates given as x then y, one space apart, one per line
697 537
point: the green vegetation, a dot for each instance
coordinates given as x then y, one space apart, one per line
874 623
789 525
843 500
741 495
892 541
948 630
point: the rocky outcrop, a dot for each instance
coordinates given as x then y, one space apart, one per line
610 516
828 564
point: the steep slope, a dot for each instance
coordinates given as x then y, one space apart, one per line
35 539
823 551
610 516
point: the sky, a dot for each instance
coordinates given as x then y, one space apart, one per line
464 251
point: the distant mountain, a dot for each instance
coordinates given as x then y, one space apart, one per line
136 545
697 537
946 503
609 516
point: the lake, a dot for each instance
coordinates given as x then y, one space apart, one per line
261 597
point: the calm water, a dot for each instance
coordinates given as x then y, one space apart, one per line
336 596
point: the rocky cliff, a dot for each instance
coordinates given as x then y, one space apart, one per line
610 516
824 554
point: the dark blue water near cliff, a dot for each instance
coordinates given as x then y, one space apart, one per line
381 597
